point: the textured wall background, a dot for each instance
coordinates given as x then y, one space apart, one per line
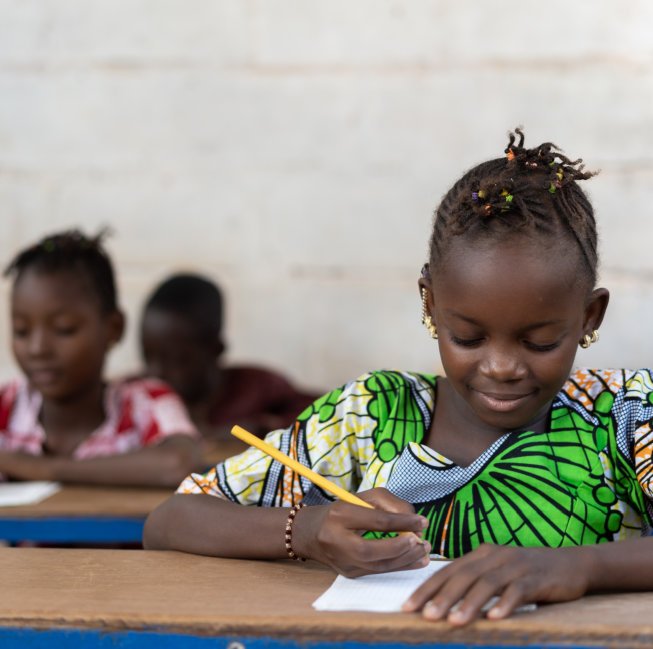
295 150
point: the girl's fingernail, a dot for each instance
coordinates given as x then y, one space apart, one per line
432 611
457 616
424 522
408 606
495 613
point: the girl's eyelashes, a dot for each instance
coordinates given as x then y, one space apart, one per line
543 348
473 342
65 327
466 342
65 331
19 327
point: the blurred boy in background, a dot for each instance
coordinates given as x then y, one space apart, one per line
182 343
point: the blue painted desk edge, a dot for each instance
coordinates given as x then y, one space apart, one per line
27 638
72 530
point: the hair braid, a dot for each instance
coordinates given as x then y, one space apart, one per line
71 251
532 191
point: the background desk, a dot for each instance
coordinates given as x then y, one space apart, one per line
86 514
217 450
79 514
131 598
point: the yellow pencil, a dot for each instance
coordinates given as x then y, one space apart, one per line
315 478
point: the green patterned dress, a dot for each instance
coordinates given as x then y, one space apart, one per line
587 479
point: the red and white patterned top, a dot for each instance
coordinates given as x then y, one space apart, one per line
140 412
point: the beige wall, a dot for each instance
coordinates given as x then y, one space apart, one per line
295 150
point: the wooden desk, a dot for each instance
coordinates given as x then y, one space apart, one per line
132 598
79 514
217 450
87 514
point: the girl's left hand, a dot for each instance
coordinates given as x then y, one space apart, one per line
516 576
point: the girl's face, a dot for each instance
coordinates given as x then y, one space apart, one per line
509 319
60 336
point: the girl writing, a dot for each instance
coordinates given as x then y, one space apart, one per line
512 464
63 421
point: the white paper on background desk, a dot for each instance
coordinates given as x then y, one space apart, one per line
381 593
13 494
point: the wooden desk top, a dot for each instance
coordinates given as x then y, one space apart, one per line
87 500
78 500
217 450
114 590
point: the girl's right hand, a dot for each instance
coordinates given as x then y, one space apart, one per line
332 534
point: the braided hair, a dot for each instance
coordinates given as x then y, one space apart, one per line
71 251
530 191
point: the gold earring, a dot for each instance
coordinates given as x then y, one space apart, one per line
427 321
589 339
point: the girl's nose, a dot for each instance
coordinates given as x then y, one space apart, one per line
503 365
39 343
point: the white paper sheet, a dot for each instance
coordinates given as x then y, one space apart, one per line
382 593
13 494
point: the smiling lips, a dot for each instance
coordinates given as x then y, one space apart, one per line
502 402
43 376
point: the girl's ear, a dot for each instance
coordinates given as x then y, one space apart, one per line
116 327
595 309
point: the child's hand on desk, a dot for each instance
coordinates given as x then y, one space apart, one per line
516 576
332 534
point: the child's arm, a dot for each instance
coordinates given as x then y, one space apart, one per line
520 576
207 525
162 465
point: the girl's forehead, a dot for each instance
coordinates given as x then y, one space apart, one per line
501 261
65 287
519 273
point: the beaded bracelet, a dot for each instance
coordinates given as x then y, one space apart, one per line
291 519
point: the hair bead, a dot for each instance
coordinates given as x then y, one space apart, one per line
522 196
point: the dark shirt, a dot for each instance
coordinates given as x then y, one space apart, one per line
258 398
